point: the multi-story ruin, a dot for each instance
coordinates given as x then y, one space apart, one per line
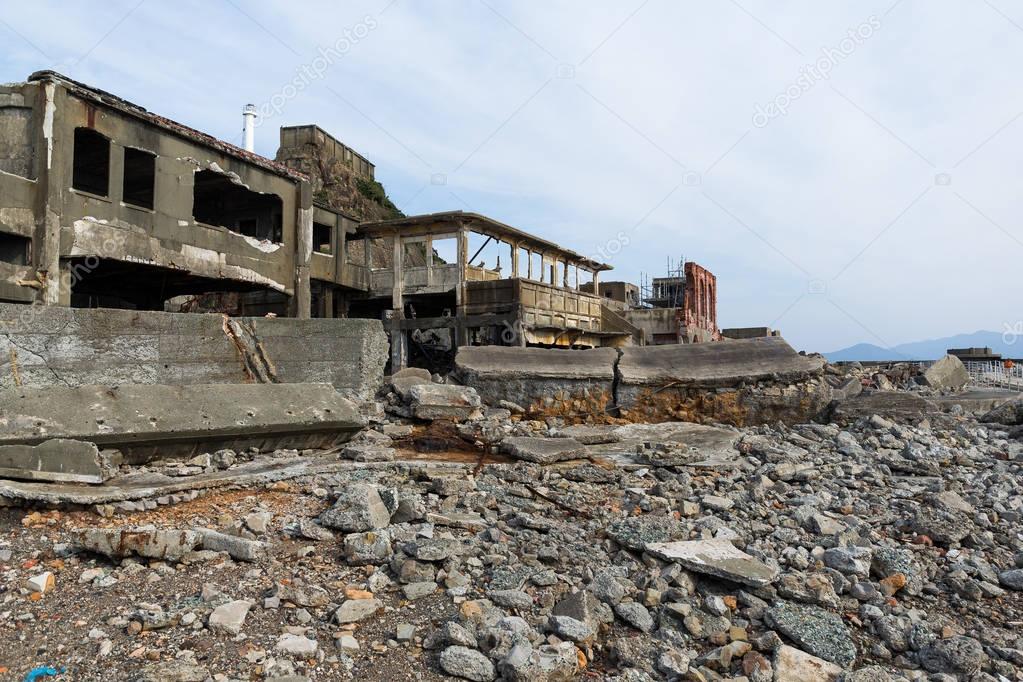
108 205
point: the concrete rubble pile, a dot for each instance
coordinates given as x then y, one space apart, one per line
460 534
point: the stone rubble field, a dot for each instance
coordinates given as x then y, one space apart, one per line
877 549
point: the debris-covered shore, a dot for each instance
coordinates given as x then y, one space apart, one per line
882 548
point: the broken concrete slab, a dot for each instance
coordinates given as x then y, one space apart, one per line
740 382
59 460
153 486
816 631
948 373
743 382
718 558
543 450
145 421
901 406
148 542
591 434
709 441
977 400
443 401
716 364
1007 414
542 381
403 380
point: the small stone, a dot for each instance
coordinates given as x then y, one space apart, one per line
415 591
511 599
358 509
354 610
793 665
348 643
571 629
1012 579
636 615
373 547
229 617
450 633
892 584
958 655
716 503
42 583
296 645
467 664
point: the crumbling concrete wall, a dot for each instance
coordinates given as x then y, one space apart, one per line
548 382
736 382
53 346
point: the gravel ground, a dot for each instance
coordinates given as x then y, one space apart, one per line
871 551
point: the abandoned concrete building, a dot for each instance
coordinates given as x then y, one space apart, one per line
107 205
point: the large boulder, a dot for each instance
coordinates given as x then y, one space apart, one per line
948 373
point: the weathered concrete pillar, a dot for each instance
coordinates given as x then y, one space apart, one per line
514 260
398 283
399 343
429 259
301 302
461 333
596 283
50 181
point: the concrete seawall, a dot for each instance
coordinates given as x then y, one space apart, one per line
752 381
738 382
54 346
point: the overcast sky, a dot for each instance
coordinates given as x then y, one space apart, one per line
848 170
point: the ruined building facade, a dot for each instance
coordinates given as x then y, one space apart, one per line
108 205
679 308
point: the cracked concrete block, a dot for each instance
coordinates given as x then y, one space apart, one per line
545 382
146 542
56 346
58 460
238 548
144 421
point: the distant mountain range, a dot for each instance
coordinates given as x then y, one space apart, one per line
930 350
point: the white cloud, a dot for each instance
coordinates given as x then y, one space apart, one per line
452 87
